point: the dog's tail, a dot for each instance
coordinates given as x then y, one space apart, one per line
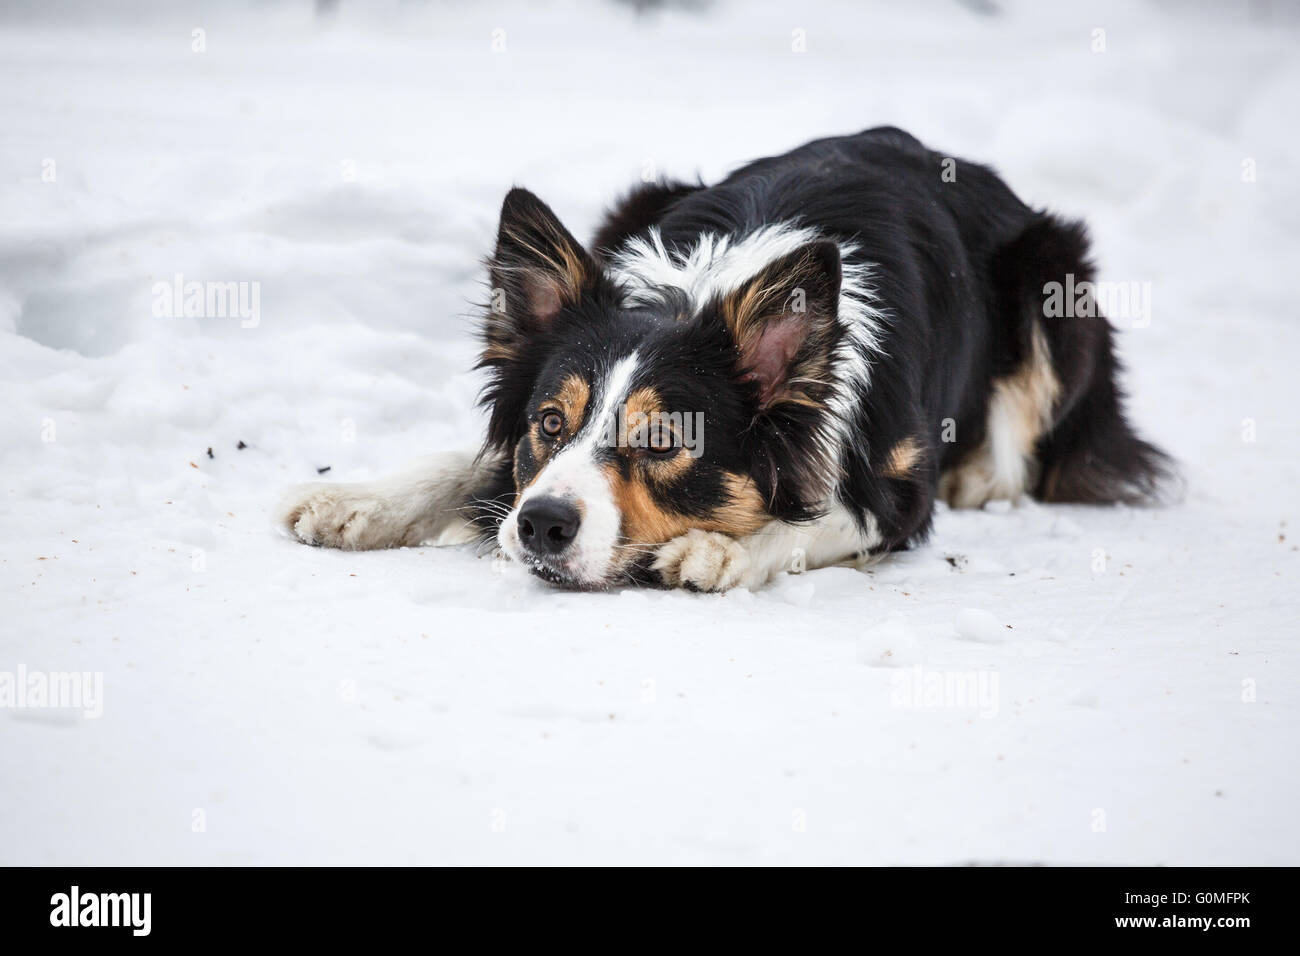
1089 453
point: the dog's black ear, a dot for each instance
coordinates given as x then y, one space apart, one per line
538 268
783 323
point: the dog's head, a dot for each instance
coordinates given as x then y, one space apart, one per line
634 417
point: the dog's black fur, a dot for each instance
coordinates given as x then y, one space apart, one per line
960 265
919 362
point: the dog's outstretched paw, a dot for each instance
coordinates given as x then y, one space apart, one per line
335 516
702 561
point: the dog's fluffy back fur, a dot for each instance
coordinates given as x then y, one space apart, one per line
962 387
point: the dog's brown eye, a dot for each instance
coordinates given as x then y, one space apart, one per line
663 443
552 424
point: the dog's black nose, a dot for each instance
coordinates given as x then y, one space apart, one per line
548 525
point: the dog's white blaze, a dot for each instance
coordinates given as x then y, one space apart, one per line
717 265
574 474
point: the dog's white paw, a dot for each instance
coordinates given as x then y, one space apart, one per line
336 516
702 561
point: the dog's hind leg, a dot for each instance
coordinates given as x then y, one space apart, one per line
450 498
1056 426
1088 452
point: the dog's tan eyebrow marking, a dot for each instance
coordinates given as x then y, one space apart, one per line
647 401
902 458
573 395
644 401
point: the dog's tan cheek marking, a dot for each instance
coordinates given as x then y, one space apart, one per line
902 458
744 511
645 521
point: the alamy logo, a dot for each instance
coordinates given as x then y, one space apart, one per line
102 909
1119 301
54 690
179 299
922 689
651 429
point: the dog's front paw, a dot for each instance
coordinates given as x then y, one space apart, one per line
702 561
335 516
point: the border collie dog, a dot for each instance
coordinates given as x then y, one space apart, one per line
781 371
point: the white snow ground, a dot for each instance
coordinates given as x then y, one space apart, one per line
265 702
